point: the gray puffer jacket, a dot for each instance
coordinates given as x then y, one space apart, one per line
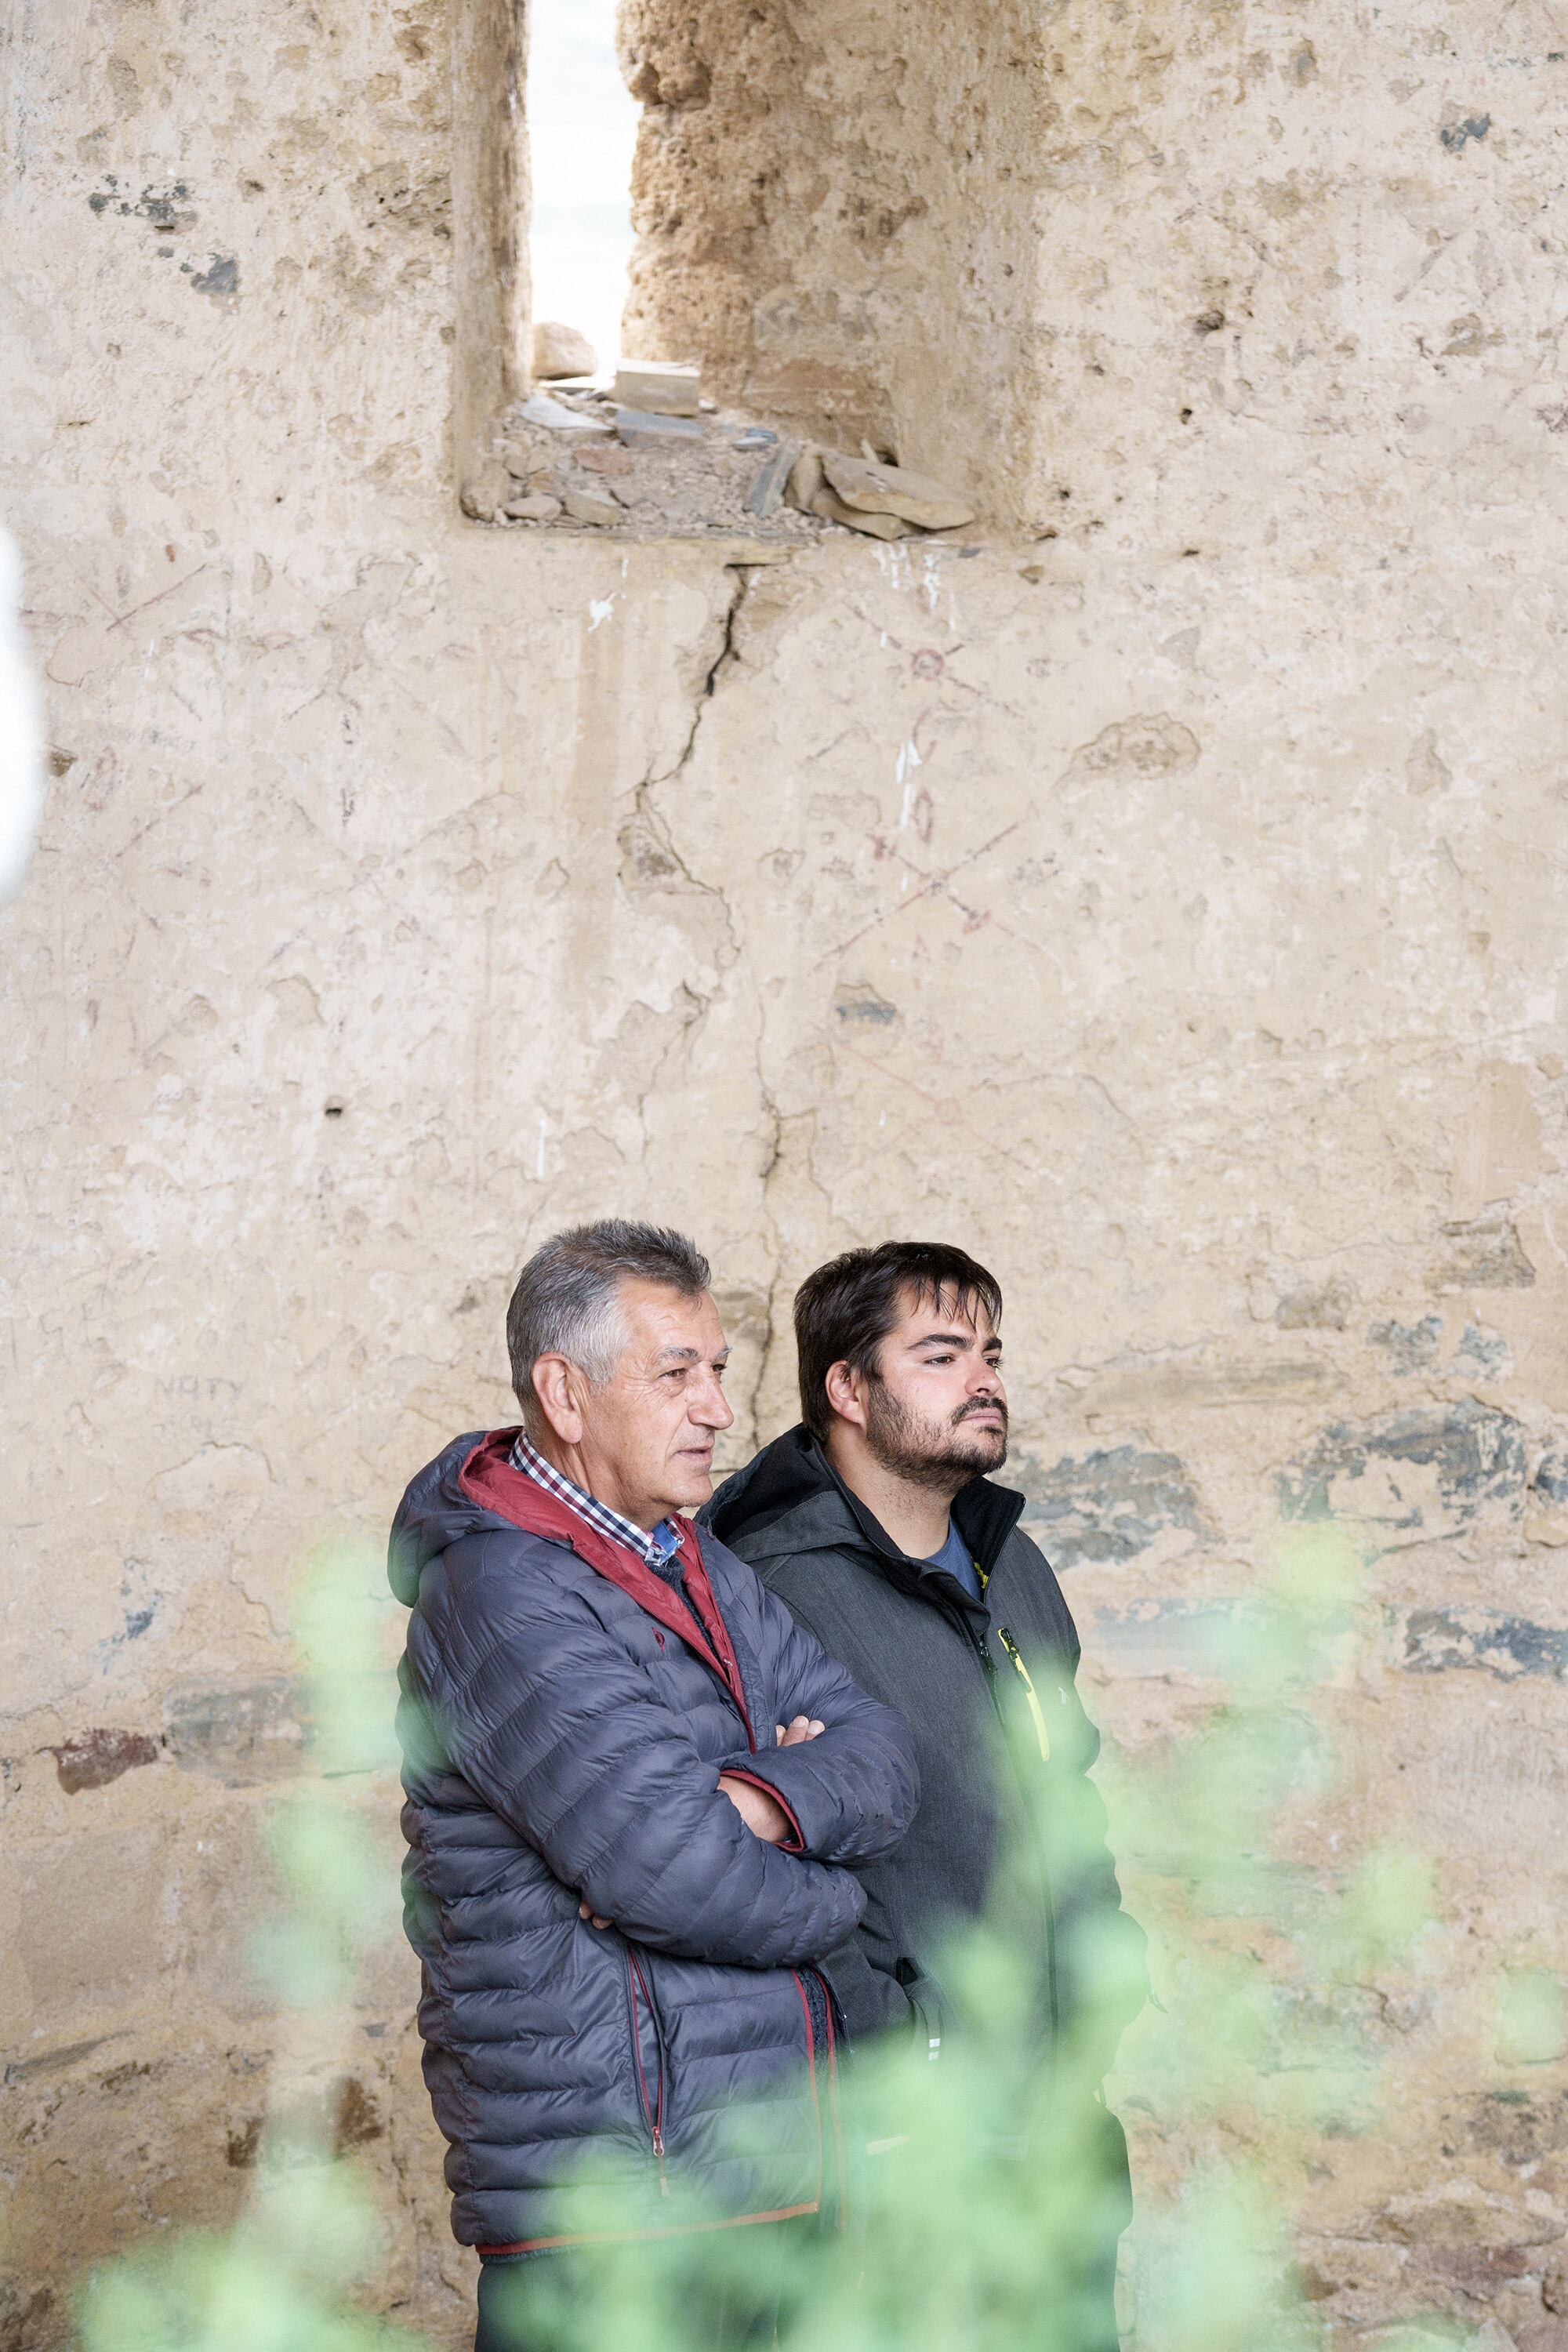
565 1717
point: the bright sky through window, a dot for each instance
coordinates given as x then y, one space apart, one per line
582 125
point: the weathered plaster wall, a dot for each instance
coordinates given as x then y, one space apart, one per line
1188 271
1171 909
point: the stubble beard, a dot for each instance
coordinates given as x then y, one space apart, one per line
937 1456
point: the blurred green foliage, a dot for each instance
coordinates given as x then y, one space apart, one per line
1532 2020
973 2185
278 2281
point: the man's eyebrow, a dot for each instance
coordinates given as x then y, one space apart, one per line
690 1356
949 1339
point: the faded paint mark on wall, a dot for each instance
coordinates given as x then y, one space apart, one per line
1109 1505
1434 1641
1485 1254
163 209
1455 134
1152 744
1316 1306
858 1000
91 1759
1407 1478
221 277
1412 1347
244 1733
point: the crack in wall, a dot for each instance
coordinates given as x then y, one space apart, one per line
728 652
649 855
775 1129
787 1172
648 846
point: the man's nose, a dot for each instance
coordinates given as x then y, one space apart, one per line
710 1407
986 1380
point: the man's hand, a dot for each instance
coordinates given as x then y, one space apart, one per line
593 1917
763 1814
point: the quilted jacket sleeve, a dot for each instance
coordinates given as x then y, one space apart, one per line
853 1789
564 1739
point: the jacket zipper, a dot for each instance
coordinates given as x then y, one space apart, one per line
977 1644
653 2109
811 2066
1041 1734
840 2158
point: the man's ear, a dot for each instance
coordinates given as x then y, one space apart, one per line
554 1382
846 1394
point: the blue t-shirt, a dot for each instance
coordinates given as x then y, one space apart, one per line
955 1558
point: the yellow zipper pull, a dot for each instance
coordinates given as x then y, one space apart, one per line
1041 1734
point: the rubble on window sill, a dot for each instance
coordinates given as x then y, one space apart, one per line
664 386
575 458
866 494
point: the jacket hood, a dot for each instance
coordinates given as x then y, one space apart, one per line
791 1499
433 1512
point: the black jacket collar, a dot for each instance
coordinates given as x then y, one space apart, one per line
793 1493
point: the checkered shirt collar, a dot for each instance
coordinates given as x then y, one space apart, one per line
657 1549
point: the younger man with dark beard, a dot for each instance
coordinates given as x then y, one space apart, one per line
875 1522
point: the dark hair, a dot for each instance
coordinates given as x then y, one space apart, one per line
846 1309
564 1303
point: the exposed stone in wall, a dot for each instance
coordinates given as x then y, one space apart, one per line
1170 910
834 210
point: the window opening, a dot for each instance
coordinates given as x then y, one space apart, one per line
784 381
582 132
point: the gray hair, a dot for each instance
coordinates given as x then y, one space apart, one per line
566 1301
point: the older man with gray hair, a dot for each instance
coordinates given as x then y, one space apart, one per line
636 1792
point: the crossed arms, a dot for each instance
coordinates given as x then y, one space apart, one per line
566 1739
764 1815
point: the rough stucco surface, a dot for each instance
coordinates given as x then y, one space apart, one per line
1169 909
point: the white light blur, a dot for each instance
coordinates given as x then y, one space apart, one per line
20 745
